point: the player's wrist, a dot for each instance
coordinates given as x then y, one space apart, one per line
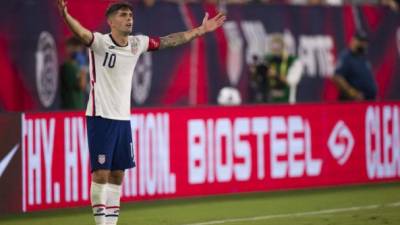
201 30
64 13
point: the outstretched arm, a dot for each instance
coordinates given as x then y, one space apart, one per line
180 38
79 31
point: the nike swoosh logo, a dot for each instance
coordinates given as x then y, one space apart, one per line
6 160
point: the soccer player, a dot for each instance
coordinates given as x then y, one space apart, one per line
113 57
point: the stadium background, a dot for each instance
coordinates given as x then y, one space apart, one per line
32 38
194 74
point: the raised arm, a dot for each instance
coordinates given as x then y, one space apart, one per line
208 25
79 31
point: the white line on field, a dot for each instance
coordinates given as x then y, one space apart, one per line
396 204
311 213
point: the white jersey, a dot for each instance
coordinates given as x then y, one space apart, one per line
111 72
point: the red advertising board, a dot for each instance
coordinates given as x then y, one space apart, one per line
217 150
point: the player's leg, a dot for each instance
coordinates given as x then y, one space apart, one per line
100 149
122 159
98 195
113 196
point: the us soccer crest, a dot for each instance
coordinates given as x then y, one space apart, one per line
102 159
134 45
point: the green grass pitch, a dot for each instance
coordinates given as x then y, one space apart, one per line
358 205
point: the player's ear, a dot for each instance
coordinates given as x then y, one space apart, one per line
109 21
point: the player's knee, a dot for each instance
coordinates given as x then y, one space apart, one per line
116 177
100 176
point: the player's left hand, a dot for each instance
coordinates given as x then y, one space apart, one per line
212 24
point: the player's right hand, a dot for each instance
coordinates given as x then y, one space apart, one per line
62 7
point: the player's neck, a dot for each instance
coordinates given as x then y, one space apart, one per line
119 39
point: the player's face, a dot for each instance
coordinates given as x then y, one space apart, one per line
122 21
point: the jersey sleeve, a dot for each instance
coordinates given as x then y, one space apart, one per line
149 43
97 42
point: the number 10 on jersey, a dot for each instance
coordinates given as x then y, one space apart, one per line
109 60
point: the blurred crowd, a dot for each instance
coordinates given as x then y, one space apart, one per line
274 77
393 4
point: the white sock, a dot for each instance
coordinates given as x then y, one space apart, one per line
113 203
98 197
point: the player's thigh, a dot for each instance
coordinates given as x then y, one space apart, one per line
102 139
123 157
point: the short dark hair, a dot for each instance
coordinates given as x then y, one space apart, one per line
117 6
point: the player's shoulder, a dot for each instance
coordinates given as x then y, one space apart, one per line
99 34
139 37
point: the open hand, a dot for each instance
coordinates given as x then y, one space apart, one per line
62 7
212 24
